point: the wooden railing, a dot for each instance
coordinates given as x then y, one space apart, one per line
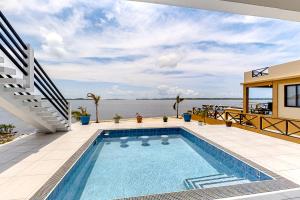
282 126
255 122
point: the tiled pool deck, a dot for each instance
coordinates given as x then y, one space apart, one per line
27 164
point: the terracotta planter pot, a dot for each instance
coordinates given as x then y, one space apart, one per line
139 119
228 123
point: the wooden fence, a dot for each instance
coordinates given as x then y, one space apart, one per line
253 122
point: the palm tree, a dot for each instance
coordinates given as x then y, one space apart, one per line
96 101
176 104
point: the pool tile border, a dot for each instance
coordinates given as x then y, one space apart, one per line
47 188
278 183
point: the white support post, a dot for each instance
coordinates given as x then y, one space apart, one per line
29 85
70 115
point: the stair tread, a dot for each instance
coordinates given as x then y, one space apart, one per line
213 181
225 183
14 89
11 81
6 70
27 97
207 177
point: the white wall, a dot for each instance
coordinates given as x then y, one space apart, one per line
286 112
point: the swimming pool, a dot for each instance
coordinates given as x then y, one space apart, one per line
136 162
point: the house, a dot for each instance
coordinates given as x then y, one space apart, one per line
284 80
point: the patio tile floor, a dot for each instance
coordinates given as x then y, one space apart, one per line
32 160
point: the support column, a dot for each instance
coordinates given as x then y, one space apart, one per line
29 85
70 115
275 99
245 99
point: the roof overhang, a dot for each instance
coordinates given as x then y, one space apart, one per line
279 9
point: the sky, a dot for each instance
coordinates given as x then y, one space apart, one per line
127 50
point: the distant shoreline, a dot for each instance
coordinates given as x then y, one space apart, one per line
174 99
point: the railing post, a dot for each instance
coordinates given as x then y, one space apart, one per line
260 122
70 115
29 85
286 127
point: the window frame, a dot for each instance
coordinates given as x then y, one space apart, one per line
286 96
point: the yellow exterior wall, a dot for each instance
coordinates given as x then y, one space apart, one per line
286 112
275 99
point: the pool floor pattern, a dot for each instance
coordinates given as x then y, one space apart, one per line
135 169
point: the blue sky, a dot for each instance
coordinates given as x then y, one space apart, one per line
124 49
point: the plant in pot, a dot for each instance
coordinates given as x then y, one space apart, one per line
76 115
139 118
165 118
203 114
82 115
117 118
6 133
228 123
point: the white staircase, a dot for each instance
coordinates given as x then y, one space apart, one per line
215 180
26 90
26 106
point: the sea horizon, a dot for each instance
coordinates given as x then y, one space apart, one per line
187 98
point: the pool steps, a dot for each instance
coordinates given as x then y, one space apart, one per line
215 180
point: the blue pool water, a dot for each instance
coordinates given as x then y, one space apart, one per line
110 169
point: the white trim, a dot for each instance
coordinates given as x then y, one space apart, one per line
261 10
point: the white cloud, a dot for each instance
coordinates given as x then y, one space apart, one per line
53 45
170 60
239 19
167 39
170 91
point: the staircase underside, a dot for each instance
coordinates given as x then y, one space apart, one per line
26 90
22 112
30 108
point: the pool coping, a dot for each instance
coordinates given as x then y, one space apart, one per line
276 184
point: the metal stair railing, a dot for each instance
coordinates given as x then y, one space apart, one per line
16 50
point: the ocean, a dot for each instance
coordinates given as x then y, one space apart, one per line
125 108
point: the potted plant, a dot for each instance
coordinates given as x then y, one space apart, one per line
228 123
165 118
83 115
76 115
203 114
117 118
187 116
139 118
6 133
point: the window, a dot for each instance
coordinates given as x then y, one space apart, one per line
292 95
